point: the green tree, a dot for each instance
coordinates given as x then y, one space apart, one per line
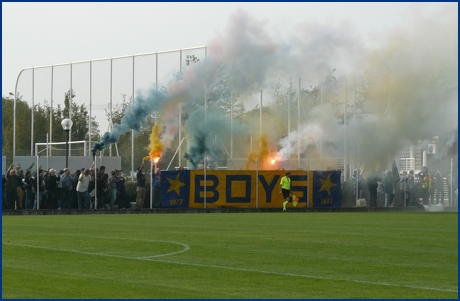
80 126
23 127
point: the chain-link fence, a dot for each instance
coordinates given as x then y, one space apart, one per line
98 84
102 83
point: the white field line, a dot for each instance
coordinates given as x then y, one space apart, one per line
152 258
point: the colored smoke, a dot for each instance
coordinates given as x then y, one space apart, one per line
409 79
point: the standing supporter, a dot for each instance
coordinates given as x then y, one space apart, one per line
66 189
74 195
121 188
60 192
11 188
425 185
21 192
102 178
82 190
140 187
156 182
404 188
357 180
104 188
439 194
411 188
91 187
372 184
113 188
388 188
101 172
432 188
3 191
51 184
29 190
285 188
38 203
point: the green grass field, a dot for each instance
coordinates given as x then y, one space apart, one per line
231 255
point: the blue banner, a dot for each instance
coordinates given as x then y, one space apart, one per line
247 189
175 189
327 190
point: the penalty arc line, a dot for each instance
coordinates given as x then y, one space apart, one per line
308 276
152 258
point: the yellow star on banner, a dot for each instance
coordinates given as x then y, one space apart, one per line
326 184
175 185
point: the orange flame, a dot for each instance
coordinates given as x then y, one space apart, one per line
263 154
155 146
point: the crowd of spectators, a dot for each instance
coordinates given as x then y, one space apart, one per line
63 189
423 188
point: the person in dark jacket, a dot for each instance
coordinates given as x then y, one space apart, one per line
21 192
38 203
101 181
11 188
121 187
51 184
140 187
29 190
3 191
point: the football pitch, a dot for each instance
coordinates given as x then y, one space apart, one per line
231 255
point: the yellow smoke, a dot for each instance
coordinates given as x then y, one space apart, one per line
265 161
155 145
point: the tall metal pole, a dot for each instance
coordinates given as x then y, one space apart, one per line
110 106
47 152
33 113
90 105
205 163
257 182
298 126
260 118
451 181
205 102
231 125
345 161
51 109
289 118
38 185
155 173
156 71
66 149
132 133
321 138
96 201
180 134
151 182
353 152
70 106
180 117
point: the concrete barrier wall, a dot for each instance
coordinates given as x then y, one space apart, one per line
58 162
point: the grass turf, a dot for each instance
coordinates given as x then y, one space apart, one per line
231 255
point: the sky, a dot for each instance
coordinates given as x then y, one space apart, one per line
38 34
413 43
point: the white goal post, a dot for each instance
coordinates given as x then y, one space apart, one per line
50 144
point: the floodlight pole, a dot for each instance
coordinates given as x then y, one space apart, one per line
257 182
151 183
67 125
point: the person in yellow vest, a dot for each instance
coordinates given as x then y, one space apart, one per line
425 185
285 188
